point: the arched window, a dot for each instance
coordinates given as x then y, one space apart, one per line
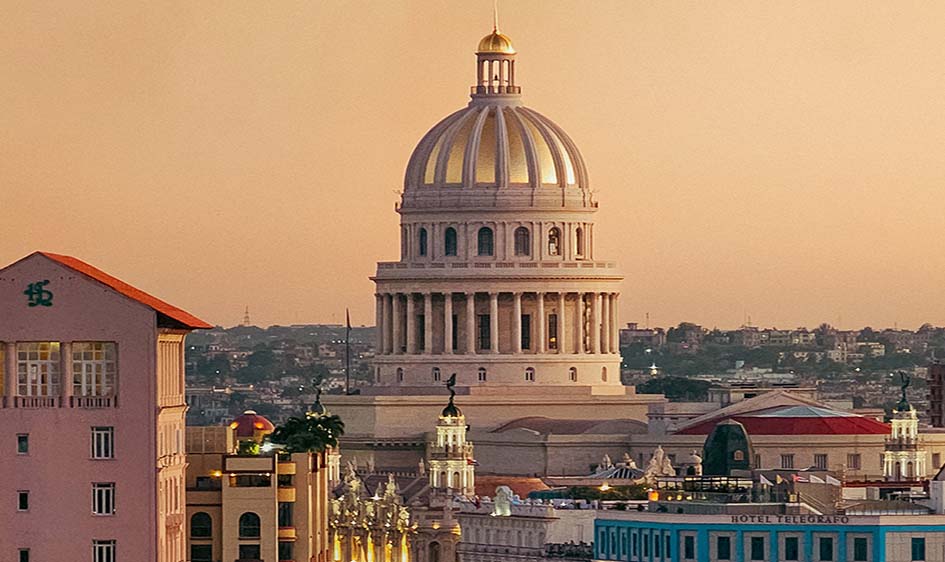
423 241
249 525
523 242
436 374
603 374
579 241
530 374
434 552
554 241
482 374
201 526
400 374
449 242
485 239
572 374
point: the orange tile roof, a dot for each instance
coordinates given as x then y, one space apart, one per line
188 320
520 485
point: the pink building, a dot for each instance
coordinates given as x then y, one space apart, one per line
92 432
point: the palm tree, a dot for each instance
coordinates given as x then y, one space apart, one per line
310 434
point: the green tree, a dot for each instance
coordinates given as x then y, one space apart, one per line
677 388
309 434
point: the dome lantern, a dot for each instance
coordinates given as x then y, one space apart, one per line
495 66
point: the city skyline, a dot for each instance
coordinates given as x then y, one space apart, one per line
747 162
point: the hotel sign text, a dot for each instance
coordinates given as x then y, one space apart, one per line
793 519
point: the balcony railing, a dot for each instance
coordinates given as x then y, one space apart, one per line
36 402
93 402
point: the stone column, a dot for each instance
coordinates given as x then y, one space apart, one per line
614 325
448 322
579 323
379 323
595 323
397 317
65 372
561 323
9 358
605 323
494 322
516 322
386 321
411 324
470 322
542 322
427 323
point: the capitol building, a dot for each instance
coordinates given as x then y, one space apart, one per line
498 280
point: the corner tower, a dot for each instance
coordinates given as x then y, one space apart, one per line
498 279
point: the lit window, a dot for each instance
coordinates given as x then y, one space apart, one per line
449 242
530 374
103 442
485 239
23 500
523 242
103 551
93 368
23 444
552 331
37 367
103 498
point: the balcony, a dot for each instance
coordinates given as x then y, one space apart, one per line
93 402
36 402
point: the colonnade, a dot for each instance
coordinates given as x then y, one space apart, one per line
398 332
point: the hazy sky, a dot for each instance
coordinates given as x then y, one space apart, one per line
783 160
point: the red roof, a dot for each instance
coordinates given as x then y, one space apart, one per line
159 306
797 420
520 485
249 422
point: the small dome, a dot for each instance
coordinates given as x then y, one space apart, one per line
496 42
451 411
496 145
249 423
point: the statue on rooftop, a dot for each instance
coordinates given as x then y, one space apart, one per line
503 502
606 462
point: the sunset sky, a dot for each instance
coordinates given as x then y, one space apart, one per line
783 160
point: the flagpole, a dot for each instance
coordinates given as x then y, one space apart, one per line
347 352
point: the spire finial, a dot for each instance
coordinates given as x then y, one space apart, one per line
495 16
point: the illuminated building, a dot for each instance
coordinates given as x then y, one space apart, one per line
498 282
92 374
247 501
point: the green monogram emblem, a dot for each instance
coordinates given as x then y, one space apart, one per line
38 295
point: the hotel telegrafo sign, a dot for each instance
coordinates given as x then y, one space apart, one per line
792 519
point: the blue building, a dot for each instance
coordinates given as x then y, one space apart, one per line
750 537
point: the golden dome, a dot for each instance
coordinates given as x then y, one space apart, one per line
496 42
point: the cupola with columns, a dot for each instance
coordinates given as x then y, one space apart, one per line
498 279
450 456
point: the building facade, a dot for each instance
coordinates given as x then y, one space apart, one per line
244 503
750 537
93 380
499 281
